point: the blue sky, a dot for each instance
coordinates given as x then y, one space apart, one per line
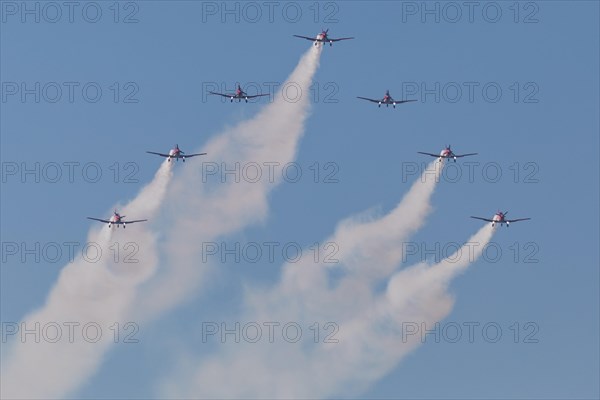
544 125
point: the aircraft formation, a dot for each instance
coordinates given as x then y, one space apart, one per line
321 38
119 220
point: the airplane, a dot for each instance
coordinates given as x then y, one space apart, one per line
447 153
387 100
322 38
117 220
239 95
500 218
176 153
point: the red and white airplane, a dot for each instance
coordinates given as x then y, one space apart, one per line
239 95
447 153
176 153
500 218
323 38
387 100
117 220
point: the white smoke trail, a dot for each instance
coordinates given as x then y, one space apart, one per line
202 212
361 243
371 337
91 291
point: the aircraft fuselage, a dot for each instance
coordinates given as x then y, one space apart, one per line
448 154
499 218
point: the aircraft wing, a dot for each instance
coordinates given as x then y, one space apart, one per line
464 155
132 222
518 219
193 155
312 39
337 40
483 219
223 94
402 101
256 95
430 154
158 154
365 98
101 220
